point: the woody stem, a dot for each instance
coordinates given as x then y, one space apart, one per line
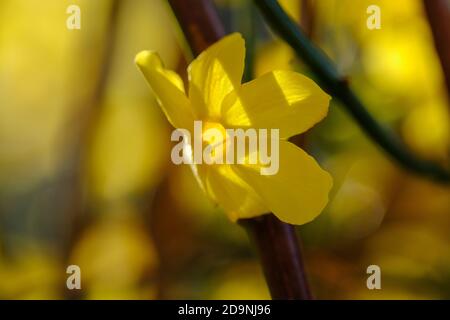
281 256
276 241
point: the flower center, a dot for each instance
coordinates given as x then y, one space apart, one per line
214 137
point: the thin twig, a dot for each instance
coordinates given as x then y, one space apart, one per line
276 241
337 86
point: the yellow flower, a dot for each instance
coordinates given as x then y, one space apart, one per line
282 100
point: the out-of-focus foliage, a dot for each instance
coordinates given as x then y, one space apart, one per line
140 227
125 258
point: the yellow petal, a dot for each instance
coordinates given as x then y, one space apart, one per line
285 100
298 192
168 89
214 73
233 194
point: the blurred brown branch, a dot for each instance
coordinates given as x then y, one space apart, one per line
199 21
276 241
307 17
438 14
85 120
307 21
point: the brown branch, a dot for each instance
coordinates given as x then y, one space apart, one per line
85 121
307 21
438 14
276 241
281 256
199 22
307 17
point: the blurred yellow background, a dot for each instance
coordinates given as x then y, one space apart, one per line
86 177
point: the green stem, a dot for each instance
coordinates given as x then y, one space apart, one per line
337 86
